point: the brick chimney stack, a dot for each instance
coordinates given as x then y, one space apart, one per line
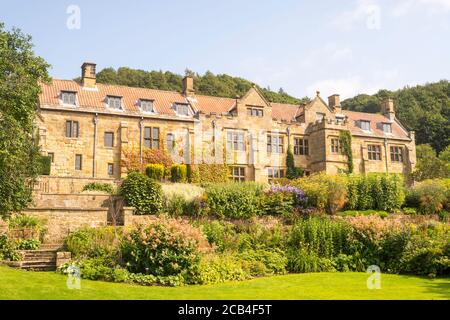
188 86
334 102
88 76
387 108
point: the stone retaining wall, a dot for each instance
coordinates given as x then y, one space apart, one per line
62 221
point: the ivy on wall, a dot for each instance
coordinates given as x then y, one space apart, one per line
345 139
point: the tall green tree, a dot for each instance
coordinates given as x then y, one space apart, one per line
429 166
221 85
20 73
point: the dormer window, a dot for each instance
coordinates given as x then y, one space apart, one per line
146 105
320 116
387 128
68 97
340 119
364 125
182 109
114 102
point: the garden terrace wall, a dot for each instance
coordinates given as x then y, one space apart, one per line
66 185
80 200
62 221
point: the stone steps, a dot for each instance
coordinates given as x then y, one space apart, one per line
38 260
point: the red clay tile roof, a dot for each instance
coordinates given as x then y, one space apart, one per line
164 100
376 120
95 99
283 111
208 104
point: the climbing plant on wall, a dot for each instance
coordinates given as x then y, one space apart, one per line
345 139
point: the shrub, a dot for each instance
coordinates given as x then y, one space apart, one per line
178 173
94 242
28 227
428 252
188 191
234 200
182 199
24 221
282 200
96 186
354 213
375 191
28 244
155 171
324 192
7 249
321 236
379 241
218 268
263 262
166 247
143 193
175 205
302 261
429 196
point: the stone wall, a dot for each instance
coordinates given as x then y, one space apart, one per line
67 185
62 221
75 200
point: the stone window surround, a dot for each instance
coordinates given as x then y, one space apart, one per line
78 163
106 141
278 144
110 169
237 141
397 153
301 146
72 129
237 173
275 172
374 152
336 147
255 111
149 137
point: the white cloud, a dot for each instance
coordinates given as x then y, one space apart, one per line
431 7
365 13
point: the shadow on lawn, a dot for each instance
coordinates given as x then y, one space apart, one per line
441 289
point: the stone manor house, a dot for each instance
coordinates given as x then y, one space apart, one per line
86 128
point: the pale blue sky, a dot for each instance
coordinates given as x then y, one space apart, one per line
345 47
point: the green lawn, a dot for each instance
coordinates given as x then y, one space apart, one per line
18 284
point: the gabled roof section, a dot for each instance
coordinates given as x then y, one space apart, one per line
376 119
254 89
287 112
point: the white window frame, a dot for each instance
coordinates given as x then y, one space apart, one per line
108 98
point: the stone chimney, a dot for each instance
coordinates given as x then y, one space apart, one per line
334 102
387 108
88 77
188 86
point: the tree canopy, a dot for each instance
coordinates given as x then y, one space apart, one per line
423 108
20 73
220 85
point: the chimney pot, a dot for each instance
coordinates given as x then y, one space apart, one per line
88 75
334 102
387 108
188 86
